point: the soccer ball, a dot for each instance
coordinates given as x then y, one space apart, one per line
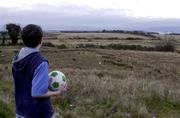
56 80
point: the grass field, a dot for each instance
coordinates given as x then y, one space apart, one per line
105 82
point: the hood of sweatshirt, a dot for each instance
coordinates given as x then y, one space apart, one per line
19 59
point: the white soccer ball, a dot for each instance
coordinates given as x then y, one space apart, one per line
56 80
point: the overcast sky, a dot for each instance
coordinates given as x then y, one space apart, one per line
91 14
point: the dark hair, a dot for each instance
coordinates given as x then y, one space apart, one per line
32 35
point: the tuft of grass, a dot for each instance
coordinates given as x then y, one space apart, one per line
5 111
157 104
6 99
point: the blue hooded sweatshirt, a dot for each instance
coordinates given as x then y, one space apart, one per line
29 82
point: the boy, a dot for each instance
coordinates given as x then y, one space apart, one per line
30 74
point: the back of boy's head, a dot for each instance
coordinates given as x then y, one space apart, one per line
32 35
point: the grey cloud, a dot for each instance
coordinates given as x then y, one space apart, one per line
80 18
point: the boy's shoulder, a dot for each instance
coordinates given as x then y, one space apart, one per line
38 57
42 57
32 60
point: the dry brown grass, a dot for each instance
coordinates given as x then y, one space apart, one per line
108 83
151 74
96 35
115 41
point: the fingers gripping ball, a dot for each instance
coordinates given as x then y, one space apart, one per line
56 80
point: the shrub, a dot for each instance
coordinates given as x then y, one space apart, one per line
63 46
113 38
90 46
134 38
87 46
97 38
48 44
78 37
167 47
126 47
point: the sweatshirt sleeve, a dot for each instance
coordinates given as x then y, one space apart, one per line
40 80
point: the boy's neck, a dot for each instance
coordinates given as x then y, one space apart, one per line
36 48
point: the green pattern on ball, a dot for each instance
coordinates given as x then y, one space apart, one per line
55 85
54 74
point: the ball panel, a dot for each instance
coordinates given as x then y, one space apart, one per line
54 74
55 85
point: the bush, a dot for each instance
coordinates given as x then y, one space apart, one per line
87 46
134 38
97 38
63 46
113 38
167 47
78 37
126 47
90 46
48 44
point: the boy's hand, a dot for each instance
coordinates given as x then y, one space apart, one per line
63 88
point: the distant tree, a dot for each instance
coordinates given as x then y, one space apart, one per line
103 30
13 31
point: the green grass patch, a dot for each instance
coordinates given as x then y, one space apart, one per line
6 85
5 111
161 105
